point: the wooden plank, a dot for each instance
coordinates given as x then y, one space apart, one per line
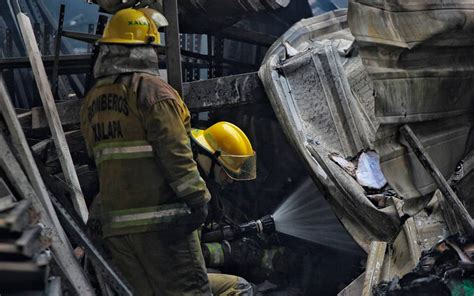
451 197
52 115
374 266
68 111
62 250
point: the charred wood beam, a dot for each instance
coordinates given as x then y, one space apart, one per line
223 92
228 91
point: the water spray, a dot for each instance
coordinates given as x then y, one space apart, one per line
265 224
304 214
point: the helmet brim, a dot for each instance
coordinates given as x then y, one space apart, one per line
239 167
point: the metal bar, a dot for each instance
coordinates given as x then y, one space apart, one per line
52 116
99 30
451 197
210 56
218 55
68 64
252 37
65 61
46 39
173 55
38 34
91 29
86 37
204 57
8 43
57 51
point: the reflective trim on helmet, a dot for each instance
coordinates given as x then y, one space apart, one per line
147 216
122 150
188 184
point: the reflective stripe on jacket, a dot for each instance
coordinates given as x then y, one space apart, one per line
136 128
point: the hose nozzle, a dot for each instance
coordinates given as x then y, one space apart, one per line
268 224
265 224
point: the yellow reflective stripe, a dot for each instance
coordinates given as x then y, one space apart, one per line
122 151
188 184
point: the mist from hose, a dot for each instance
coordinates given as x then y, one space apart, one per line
305 214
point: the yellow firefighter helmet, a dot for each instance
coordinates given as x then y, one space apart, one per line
231 148
134 26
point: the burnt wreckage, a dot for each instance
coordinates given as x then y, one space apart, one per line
372 103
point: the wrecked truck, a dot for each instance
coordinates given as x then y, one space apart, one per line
346 85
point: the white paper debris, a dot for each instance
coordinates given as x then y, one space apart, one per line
369 174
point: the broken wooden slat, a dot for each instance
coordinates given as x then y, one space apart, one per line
52 115
451 197
6 197
17 218
61 248
68 112
29 242
39 196
374 266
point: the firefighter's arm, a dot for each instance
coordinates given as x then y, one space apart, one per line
168 136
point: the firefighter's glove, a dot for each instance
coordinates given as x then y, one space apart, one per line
198 216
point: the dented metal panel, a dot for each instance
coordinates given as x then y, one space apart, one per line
419 55
320 114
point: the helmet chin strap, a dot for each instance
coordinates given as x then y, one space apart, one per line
212 173
212 156
217 212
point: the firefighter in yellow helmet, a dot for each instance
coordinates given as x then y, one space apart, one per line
225 153
136 128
